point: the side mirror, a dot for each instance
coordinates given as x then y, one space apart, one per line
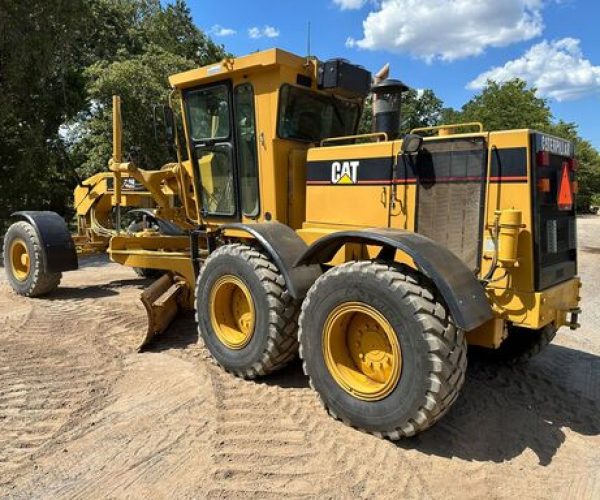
168 121
411 143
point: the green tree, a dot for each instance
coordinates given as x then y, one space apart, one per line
41 86
59 64
140 81
157 42
509 105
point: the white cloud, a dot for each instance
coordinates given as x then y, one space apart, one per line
350 4
449 29
266 32
270 32
218 30
557 69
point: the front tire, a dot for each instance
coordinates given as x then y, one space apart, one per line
245 314
24 262
403 371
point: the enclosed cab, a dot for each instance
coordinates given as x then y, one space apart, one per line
249 123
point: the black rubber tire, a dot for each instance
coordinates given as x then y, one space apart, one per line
274 342
38 282
521 344
145 272
434 351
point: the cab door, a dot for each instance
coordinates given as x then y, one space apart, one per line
222 128
210 124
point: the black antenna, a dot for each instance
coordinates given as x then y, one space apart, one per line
308 42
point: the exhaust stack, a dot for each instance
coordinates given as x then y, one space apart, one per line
387 103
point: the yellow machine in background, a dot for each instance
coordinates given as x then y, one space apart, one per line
377 257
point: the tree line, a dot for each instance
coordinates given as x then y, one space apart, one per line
60 63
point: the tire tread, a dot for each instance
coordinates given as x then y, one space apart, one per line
282 345
446 342
42 282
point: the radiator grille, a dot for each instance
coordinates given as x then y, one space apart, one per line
451 179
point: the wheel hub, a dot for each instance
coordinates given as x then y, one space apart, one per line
232 312
370 349
362 351
19 260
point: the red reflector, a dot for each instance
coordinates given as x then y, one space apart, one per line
543 185
565 195
543 159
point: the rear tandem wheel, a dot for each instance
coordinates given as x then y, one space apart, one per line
381 349
245 314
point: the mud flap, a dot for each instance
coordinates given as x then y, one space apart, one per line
161 300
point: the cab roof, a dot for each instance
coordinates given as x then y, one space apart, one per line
233 66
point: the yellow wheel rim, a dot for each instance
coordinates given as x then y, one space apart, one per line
361 351
232 312
19 260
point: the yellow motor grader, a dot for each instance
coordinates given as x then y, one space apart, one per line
378 257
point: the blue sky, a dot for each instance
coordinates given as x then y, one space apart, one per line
450 46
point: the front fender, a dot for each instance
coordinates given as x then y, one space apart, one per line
462 292
58 248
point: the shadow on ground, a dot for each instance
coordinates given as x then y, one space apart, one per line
502 410
110 289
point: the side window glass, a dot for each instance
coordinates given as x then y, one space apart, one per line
209 113
216 175
245 125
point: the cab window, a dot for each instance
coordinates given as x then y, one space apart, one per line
208 111
245 124
306 115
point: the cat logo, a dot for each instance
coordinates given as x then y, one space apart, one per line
344 172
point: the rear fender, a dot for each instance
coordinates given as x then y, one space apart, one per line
462 292
58 248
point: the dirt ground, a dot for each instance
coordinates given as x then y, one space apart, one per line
81 417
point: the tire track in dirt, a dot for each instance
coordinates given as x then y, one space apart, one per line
151 438
272 441
144 420
49 371
156 425
53 367
259 451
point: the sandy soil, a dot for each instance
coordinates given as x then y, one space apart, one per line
81 417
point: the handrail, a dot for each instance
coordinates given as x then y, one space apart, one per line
450 127
381 135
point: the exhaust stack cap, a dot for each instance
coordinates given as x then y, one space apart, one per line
386 107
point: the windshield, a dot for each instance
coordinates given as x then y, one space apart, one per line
305 115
